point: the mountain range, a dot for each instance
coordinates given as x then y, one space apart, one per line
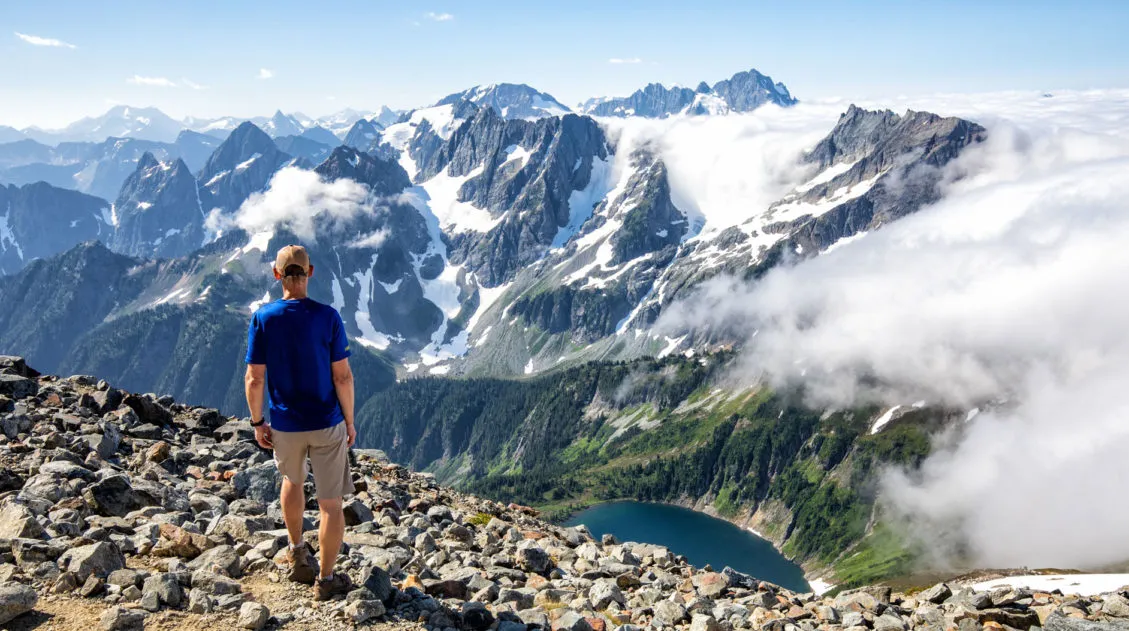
488 242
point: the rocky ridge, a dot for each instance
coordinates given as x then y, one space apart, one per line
139 512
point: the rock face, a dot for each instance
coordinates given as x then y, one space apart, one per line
743 92
422 552
160 210
242 165
39 220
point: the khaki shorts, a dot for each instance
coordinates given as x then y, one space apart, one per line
328 452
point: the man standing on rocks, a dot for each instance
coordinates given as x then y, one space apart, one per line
298 353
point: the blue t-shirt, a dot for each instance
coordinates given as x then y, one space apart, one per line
298 340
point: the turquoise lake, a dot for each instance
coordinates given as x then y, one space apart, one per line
700 538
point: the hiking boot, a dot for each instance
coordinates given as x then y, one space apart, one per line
338 584
303 565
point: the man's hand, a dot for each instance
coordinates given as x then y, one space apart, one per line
263 437
351 431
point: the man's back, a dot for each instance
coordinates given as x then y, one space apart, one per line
297 340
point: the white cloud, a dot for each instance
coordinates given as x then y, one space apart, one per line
438 17
265 73
1009 294
44 41
192 84
625 60
297 199
373 240
158 82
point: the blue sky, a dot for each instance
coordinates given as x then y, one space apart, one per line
326 55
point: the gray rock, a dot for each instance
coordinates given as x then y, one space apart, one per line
121 619
571 621
261 483
16 600
889 622
96 559
17 522
17 387
669 613
150 602
1058 622
199 601
375 579
356 512
223 558
702 622
361 611
214 584
604 591
937 594
125 577
533 559
166 588
113 496
253 616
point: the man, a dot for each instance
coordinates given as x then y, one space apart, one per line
297 351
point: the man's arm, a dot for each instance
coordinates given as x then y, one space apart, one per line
254 383
343 385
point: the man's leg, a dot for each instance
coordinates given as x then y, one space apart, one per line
331 532
329 457
290 453
293 504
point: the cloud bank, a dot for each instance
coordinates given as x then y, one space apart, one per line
157 82
1011 289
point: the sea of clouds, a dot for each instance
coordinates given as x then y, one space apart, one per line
1014 288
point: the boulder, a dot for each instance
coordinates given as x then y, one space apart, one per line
571 621
377 580
121 619
262 483
253 616
13 365
1058 622
177 542
937 594
148 409
17 522
113 496
702 622
710 584
222 558
16 600
362 611
669 613
17 387
532 558
604 592
166 588
96 559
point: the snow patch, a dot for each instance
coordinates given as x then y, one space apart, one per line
457 216
886 417
254 306
243 166
1080 584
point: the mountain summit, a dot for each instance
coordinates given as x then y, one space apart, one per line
743 92
511 100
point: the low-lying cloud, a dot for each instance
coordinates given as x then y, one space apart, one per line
1012 288
299 200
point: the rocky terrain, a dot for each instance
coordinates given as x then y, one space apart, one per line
128 511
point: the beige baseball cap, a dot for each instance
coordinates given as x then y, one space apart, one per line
292 255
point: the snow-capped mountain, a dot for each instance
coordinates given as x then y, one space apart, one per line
121 121
511 100
743 92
